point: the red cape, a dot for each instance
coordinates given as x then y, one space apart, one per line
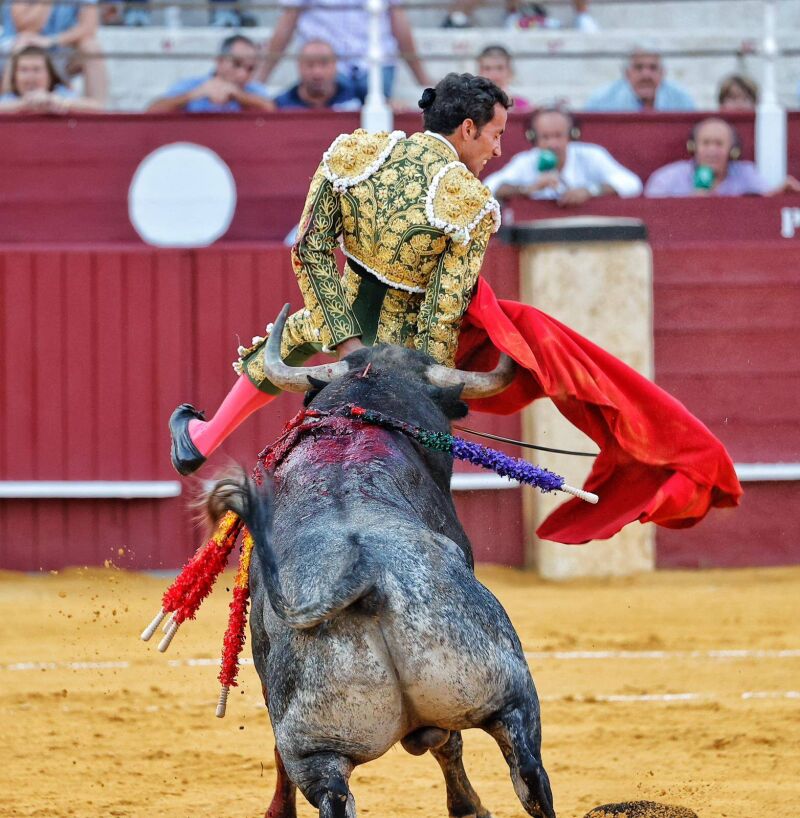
658 463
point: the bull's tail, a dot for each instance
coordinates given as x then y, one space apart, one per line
253 504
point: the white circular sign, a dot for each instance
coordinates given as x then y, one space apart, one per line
182 195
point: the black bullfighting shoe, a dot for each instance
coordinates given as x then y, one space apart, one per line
185 456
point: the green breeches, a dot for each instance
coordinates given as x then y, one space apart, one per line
386 315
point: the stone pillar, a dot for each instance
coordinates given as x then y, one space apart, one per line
595 275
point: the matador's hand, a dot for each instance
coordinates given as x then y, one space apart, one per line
348 346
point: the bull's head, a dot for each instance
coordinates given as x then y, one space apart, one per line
303 378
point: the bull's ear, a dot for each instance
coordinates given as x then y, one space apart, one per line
449 399
316 387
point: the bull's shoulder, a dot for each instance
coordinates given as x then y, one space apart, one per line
354 157
458 201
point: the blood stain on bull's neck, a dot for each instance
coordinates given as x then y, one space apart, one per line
360 446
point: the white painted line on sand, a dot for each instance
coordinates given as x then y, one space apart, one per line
554 655
612 698
567 655
244 660
64 665
667 698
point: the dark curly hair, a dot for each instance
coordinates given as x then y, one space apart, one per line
458 97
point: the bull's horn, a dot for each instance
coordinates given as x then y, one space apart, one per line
294 378
476 384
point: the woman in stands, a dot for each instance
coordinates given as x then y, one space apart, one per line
737 93
36 87
495 63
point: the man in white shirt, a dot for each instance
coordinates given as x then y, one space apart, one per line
560 168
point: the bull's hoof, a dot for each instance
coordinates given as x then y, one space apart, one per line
640 809
186 457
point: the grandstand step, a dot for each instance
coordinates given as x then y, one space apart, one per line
689 17
144 62
684 15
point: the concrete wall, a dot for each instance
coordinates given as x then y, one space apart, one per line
576 282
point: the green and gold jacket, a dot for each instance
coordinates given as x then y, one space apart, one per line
411 215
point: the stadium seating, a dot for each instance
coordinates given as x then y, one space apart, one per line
551 64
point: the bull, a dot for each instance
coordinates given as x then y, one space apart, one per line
368 624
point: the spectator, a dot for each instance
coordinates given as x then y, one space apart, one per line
319 86
561 169
522 14
737 93
226 16
347 32
69 32
642 88
584 21
227 88
132 13
137 13
36 87
495 63
715 168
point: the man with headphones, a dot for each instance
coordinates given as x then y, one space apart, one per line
714 169
561 168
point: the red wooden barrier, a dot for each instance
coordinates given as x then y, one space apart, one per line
727 323
698 220
98 342
96 349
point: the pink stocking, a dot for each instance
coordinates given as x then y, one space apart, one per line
239 403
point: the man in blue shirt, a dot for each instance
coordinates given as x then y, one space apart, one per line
319 86
67 31
227 89
642 88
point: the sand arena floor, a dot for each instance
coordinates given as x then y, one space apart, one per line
678 687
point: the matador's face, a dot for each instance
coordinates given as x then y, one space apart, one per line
483 144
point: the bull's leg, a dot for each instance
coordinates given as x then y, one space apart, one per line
462 800
518 733
323 778
284 802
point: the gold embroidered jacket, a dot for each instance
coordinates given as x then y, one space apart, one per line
409 213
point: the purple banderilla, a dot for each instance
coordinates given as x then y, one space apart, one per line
475 453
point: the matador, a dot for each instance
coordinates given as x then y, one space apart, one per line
413 221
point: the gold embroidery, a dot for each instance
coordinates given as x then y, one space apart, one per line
398 319
354 154
382 220
315 266
298 331
399 186
448 295
459 197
